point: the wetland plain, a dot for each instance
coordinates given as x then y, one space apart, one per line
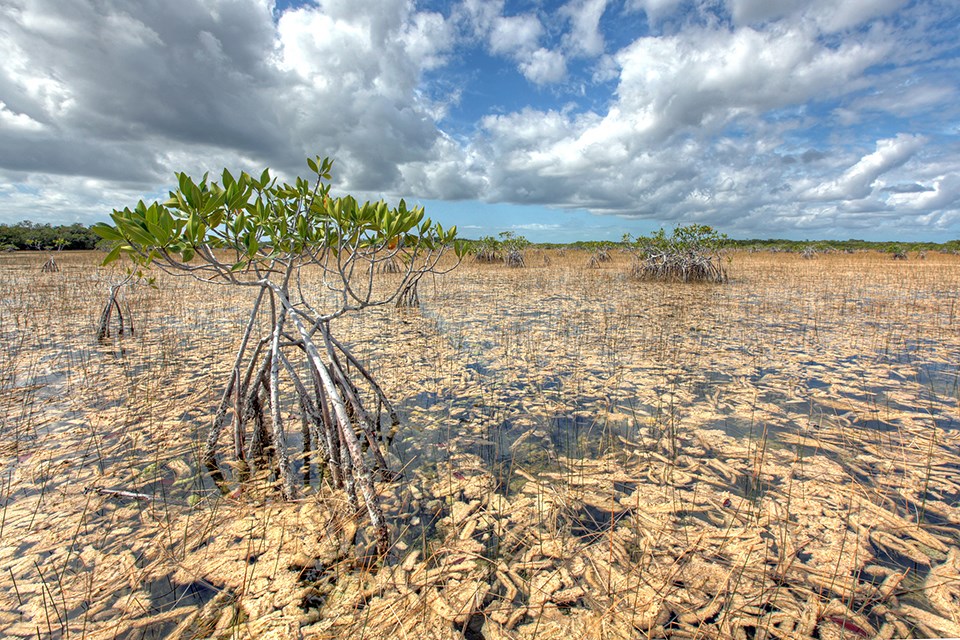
581 455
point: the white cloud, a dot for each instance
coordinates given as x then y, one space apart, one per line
655 9
752 11
535 226
544 66
944 193
12 120
59 199
828 15
706 77
836 16
515 35
446 173
905 99
584 37
482 13
857 182
651 153
427 38
200 77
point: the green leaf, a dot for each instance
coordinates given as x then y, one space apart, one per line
114 254
106 231
136 234
215 219
184 182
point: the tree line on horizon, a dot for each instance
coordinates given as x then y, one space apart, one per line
27 235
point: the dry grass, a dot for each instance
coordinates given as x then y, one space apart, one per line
584 455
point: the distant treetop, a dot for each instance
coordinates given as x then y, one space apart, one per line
30 235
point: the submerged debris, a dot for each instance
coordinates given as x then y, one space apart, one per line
576 464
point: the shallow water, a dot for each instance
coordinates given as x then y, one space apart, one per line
602 401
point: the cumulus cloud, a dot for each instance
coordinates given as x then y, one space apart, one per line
655 9
544 66
944 193
705 78
355 96
105 84
517 37
829 15
652 152
585 37
857 182
12 120
111 91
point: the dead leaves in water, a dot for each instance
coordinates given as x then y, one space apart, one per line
582 456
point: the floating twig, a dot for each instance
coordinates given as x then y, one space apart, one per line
116 493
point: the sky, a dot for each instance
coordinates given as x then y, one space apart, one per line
559 120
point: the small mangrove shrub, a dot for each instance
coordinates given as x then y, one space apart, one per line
51 266
513 249
487 249
508 249
116 312
600 255
895 250
273 239
693 253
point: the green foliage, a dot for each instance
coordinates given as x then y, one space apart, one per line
29 235
691 253
512 249
258 220
512 242
487 249
686 239
841 246
508 248
256 232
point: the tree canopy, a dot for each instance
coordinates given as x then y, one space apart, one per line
30 235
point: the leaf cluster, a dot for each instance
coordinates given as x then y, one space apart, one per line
685 239
690 253
259 220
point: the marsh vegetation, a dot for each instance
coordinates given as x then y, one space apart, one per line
691 253
580 453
